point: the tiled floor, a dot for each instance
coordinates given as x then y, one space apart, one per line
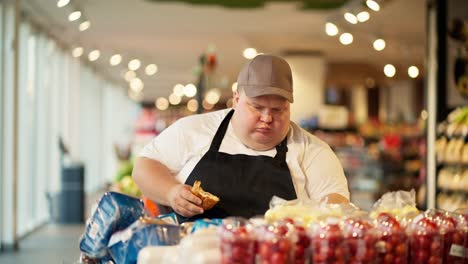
51 244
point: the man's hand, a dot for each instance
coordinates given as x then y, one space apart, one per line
183 201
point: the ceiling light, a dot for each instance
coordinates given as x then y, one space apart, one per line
373 5
413 71
206 105
77 52
178 90
190 90
115 59
129 76
151 69
350 18
134 64
389 70
174 99
162 103
74 16
192 105
379 44
136 84
212 97
136 96
331 29
62 3
84 25
234 87
94 55
346 38
250 53
363 16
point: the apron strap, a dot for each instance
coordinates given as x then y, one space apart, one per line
218 138
281 148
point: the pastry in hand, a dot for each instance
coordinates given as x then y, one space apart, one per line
208 200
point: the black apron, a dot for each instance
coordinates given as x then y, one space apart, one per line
245 184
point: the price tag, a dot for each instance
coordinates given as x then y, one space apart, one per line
457 251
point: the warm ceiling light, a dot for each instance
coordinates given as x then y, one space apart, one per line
413 71
192 105
250 53
162 103
174 99
94 55
136 84
178 90
346 38
151 69
212 97
379 44
373 5
115 59
363 16
62 3
74 16
190 90
350 18
331 29
134 64
206 105
234 87
77 52
389 70
129 76
84 25
136 96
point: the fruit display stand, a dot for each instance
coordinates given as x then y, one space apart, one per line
452 161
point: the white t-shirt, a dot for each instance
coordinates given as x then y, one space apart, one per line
315 169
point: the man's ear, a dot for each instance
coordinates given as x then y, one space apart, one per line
235 98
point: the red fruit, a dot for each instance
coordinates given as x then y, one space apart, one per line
284 245
400 250
434 260
264 250
388 258
278 258
422 256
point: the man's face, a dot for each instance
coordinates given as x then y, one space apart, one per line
260 122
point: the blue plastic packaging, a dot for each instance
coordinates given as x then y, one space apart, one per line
125 245
205 223
115 211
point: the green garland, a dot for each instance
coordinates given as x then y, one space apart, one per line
248 4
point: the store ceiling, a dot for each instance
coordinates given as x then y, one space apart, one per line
175 35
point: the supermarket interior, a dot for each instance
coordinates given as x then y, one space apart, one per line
86 85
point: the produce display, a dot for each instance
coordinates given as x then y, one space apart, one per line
452 159
336 234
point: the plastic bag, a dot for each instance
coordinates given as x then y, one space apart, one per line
125 245
400 204
115 211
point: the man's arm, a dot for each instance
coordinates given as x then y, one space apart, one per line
158 184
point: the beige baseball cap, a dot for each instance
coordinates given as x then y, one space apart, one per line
265 75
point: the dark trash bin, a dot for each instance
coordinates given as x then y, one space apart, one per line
68 205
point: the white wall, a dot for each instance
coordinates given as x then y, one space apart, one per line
308 80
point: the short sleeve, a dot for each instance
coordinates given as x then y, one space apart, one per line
324 174
169 148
